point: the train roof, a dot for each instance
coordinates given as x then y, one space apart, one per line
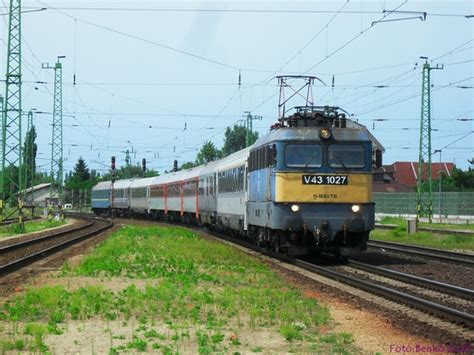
354 131
103 185
237 158
181 175
141 183
123 184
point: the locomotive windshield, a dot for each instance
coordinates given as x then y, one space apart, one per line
303 155
346 156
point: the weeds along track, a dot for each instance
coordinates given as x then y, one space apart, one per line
428 229
430 253
7 222
23 252
447 308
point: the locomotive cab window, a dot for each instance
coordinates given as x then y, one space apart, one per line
346 156
303 155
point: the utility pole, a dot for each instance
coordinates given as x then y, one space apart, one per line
128 159
440 178
424 200
2 149
57 133
11 201
29 159
249 126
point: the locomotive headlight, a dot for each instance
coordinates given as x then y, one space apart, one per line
325 133
355 208
295 208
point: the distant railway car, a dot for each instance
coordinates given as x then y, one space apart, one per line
139 196
207 195
303 188
175 196
100 197
231 191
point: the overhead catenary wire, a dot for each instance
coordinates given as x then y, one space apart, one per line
410 97
144 40
226 10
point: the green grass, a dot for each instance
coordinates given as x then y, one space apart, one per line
428 239
200 289
401 222
30 227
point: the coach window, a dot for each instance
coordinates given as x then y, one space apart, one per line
303 156
346 156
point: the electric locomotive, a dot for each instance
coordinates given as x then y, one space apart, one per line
310 184
304 187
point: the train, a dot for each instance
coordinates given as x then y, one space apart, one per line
303 188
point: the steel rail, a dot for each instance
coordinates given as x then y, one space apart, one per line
24 243
410 300
407 299
398 296
19 263
416 280
7 222
428 229
432 253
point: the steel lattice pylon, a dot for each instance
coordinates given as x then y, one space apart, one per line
28 156
12 177
57 133
424 199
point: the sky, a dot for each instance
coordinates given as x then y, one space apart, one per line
161 78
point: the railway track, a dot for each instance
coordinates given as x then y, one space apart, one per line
388 290
430 253
428 229
24 252
7 222
461 298
448 315
454 290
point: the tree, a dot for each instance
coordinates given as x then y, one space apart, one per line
458 181
10 189
234 139
208 153
128 172
464 180
187 165
30 149
79 180
81 171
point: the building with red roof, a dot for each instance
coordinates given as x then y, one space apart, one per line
401 176
407 172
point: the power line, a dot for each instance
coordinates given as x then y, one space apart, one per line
452 50
362 32
310 40
217 10
141 39
457 140
410 97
